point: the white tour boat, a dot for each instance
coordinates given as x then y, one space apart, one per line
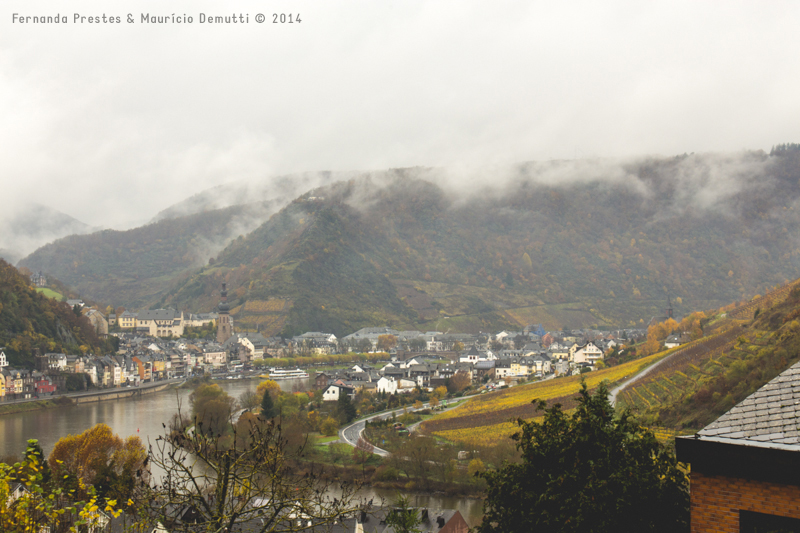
278 374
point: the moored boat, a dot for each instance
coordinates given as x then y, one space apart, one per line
280 374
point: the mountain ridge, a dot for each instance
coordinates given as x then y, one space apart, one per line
559 243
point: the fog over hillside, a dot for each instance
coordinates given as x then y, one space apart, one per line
596 241
622 150
121 122
275 191
26 227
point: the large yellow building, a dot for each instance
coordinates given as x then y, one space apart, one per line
160 323
163 322
127 320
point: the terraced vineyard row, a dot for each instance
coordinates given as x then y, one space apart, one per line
266 324
265 306
700 350
683 372
747 310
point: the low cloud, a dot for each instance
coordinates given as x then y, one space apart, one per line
113 125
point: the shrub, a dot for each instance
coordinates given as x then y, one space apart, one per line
329 427
386 473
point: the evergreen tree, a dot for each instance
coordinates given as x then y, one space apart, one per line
587 472
403 518
347 411
268 406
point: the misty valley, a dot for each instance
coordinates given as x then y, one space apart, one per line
409 331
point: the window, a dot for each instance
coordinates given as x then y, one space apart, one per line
750 522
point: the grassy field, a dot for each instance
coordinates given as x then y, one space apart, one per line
50 293
487 418
322 439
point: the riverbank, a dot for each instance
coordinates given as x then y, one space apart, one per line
38 405
92 396
385 478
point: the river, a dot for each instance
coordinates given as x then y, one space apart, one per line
144 416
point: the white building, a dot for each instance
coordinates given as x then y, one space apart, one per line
588 353
331 394
387 385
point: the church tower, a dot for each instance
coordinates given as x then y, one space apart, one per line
224 322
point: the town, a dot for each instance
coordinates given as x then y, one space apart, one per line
153 347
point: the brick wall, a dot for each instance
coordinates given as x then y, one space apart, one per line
717 500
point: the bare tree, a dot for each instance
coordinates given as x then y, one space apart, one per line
212 482
249 400
363 451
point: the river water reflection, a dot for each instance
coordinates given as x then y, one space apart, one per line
144 416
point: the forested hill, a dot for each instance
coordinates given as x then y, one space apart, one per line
134 267
30 320
602 249
564 244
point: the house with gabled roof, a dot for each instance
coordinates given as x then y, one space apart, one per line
39 279
532 348
98 321
473 355
484 368
332 391
502 368
127 320
745 466
16 490
587 353
541 363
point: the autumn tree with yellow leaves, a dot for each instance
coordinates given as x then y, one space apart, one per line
30 503
100 459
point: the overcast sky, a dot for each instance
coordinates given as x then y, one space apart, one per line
111 123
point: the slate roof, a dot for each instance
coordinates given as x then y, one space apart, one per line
532 347
159 314
768 416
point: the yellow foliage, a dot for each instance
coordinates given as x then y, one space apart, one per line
475 466
543 390
481 436
270 385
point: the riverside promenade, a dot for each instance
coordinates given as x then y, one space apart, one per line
100 395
